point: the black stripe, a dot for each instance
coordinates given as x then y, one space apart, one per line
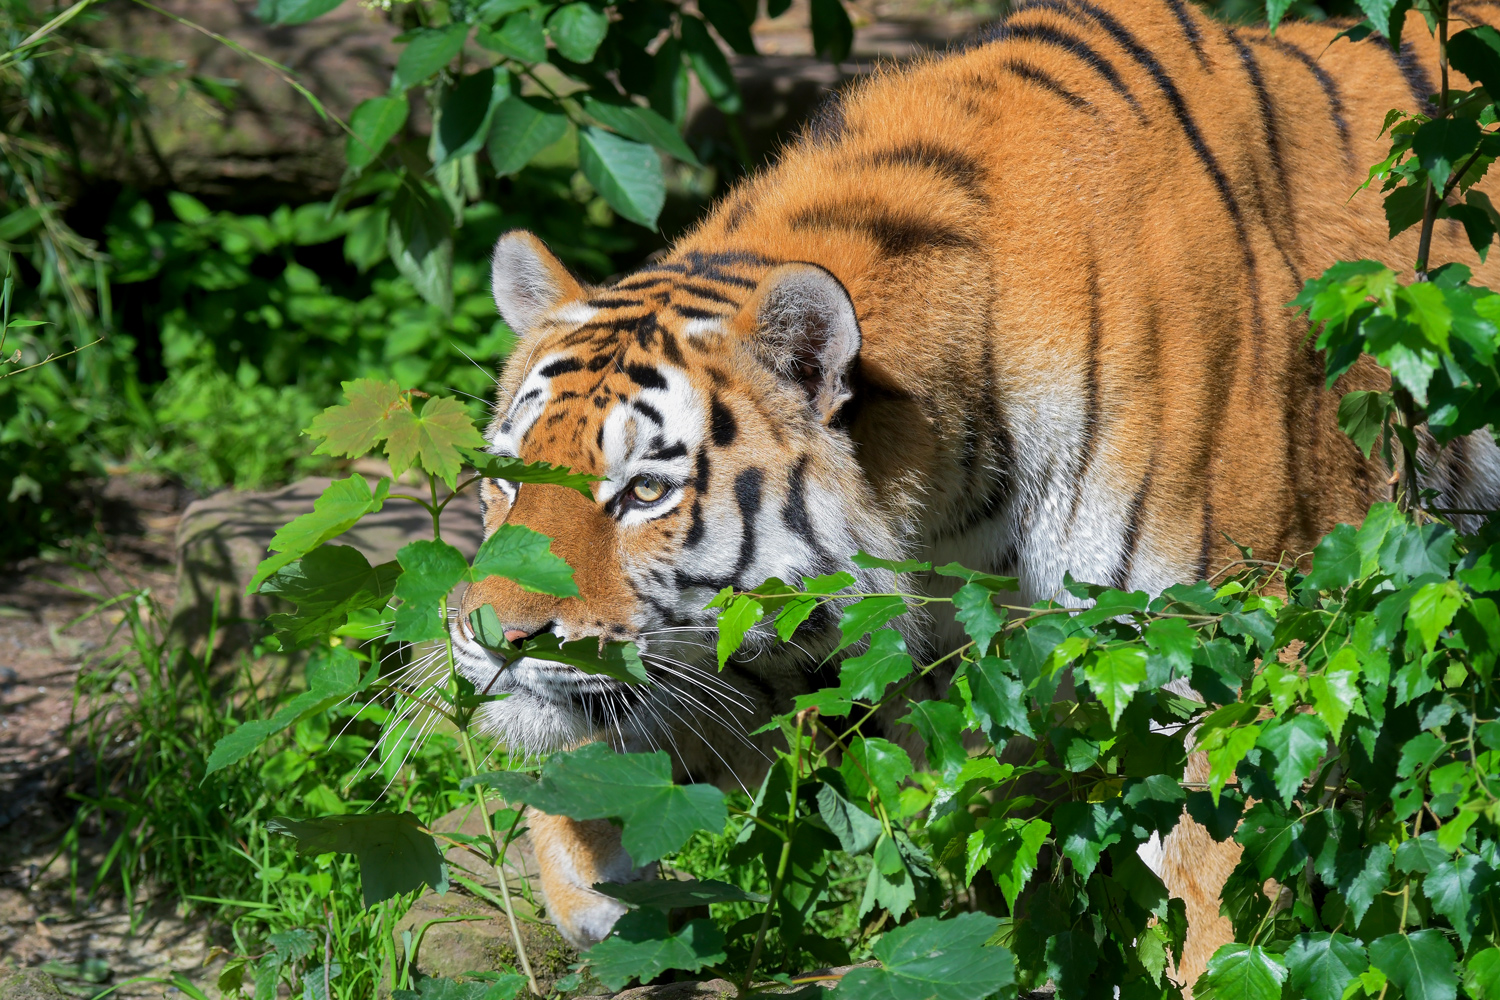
648 411
670 350
896 236
645 376
1412 71
561 366
747 496
693 312
704 292
639 281
614 303
1043 34
695 525
700 472
678 450
1133 527
1272 134
1190 29
960 168
1033 75
1091 391
1208 539
1325 81
826 126
722 425
795 513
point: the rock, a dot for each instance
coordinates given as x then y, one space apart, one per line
483 945
29 984
222 538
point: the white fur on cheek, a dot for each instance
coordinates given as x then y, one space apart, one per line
635 444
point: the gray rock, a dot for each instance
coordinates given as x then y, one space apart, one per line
222 538
29 984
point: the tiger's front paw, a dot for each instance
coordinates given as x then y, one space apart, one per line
571 856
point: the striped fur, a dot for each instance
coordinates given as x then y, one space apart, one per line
1021 307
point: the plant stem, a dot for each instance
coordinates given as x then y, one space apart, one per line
785 860
1430 208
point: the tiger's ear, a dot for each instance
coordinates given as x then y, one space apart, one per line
527 281
802 323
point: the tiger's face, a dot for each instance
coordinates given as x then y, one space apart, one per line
707 392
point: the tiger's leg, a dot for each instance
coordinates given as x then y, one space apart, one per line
573 855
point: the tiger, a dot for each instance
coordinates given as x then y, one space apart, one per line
1021 306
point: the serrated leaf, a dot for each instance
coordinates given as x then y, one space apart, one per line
883 762
1335 691
1322 965
395 853
1298 742
1115 674
1336 560
1242 972
514 470
999 699
1420 854
627 173
1272 841
336 510
642 947
521 128
974 607
1475 52
620 660
1009 848
331 678
1441 143
577 29
1454 886
941 727
327 584
524 556
1420 963
427 51
866 676
867 615
1225 749
665 894
1085 830
1432 609
430 571
657 814
1361 876
1362 417
431 439
856 829
735 622
929 959
373 123
1482 974
352 428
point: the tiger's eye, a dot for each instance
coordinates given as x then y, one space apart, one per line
648 489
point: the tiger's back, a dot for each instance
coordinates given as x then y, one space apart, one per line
1022 307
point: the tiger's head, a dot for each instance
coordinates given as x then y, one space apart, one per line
710 392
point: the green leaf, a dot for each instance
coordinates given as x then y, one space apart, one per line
620 660
867 615
577 29
866 676
521 37
1362 876
642 947
1275 11
430 571
627 173
1335 691
729 20
352 428
666 894
1475 52
1454 886
735 622
931 959
427 51
1009 848
396 854
431 439
1322 965
1272 840
657 814
999 699
1362 416
331 677
641 124
884 762
1085 830
856 829
463 120
974 607
419 239
1115 674
1440 144
833 34
1336 561
1420 963
375 122
1171 642
294 11
1225 749
523 127
514 470
1242 972
1482 975
337 510
710 66
1432 609
524 556
1298 741
1420 854
326 585
941 726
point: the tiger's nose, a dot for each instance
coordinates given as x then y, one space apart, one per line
516 635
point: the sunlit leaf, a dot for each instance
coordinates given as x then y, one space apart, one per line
396 853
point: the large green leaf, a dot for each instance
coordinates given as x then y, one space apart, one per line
1482 974
1009 848
1336 560
999 699
463 120
327 584
641 124
350 429
867 615
1115 674
1440 144
420 242
1432 609
941 727
1085 830
866 676
337 510
375 122
521 37
332 676
427 51
541 473
1242 972
396 854
627 173
657 814
577 29
856 829
735 622
523 127
525 556
430 570
974 607
620 660
880 761
932 959
1420 963
642 947
1454 886
1298 742
1321 965
431 439
1475 52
